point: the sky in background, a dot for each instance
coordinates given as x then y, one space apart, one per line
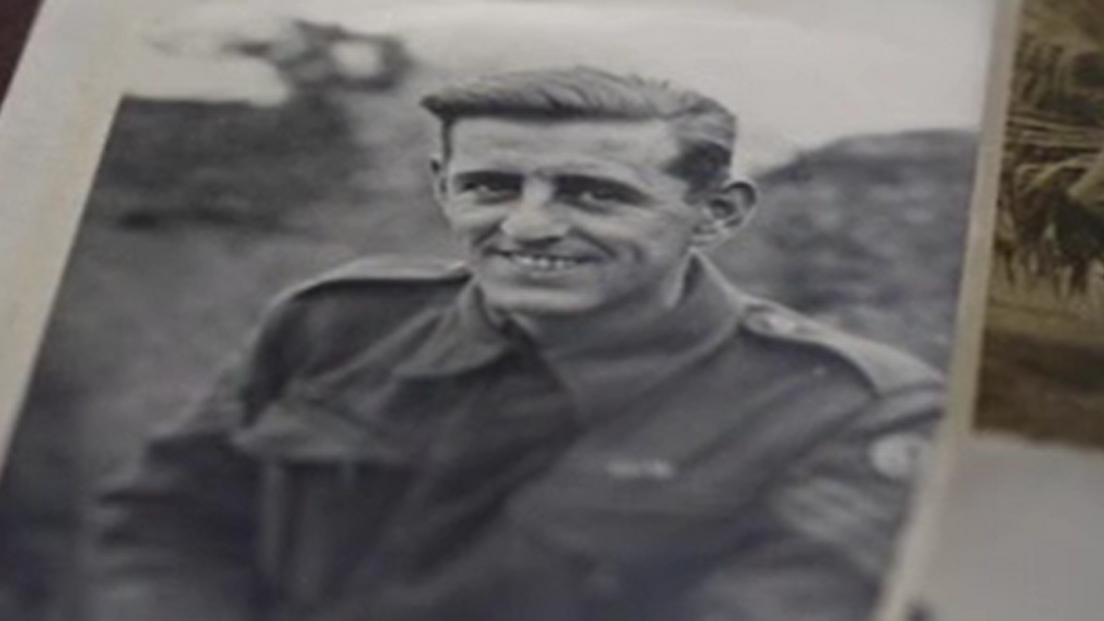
800 73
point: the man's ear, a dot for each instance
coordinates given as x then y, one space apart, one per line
440 181
724 211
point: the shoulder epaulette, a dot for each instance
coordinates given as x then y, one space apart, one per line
884 368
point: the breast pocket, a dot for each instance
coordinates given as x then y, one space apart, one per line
624 549
329 485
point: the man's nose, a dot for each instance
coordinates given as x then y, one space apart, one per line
534 217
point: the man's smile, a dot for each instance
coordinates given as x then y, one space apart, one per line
542 262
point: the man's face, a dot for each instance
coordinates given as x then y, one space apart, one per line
567 217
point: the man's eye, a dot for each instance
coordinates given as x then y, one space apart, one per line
592 191
490 187
603 194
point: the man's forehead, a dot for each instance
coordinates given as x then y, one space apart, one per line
646 142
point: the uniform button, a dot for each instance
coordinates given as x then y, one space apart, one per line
780 324
604 581
641 469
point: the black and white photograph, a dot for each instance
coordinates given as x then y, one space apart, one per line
503 310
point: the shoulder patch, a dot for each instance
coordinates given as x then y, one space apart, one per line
387 268
899 456
883 367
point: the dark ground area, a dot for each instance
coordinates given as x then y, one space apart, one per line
202 212
1042 389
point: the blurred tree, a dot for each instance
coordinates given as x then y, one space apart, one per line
235 163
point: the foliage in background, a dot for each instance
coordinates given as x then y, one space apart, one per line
1040 375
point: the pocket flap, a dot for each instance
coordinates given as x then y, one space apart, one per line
297 429
630 521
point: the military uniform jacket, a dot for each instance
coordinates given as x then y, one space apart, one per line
737 462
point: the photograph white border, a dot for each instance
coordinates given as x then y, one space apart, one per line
53 125
922 533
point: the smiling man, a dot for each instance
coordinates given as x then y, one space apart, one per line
578 224
585 420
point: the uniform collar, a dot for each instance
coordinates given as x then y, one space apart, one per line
709 314
466 339
463 339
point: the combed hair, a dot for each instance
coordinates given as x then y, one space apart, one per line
705 130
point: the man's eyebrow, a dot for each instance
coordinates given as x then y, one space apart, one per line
584 181
468 176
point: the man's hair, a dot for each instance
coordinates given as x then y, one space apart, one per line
704 129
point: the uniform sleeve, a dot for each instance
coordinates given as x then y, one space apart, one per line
173 539
826 539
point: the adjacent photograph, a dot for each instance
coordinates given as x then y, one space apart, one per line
1017 535
1044 342
510 309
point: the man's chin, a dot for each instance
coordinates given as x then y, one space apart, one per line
551 304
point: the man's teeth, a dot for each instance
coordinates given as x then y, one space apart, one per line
543 262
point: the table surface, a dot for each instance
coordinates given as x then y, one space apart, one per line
1021 538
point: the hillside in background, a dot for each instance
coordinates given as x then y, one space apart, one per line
867 233
202 212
